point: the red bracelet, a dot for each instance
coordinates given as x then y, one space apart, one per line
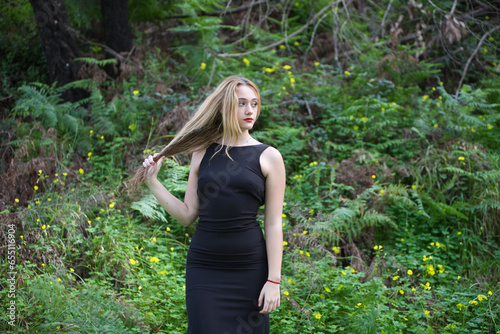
273 281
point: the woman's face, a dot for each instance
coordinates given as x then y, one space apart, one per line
247 107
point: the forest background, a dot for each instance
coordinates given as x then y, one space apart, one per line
386 113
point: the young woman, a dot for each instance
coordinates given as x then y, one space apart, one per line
232 272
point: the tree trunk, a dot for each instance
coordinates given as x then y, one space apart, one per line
116 27
59 44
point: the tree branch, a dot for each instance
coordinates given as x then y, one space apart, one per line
471 57
314 18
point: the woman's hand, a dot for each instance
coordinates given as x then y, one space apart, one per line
270 295
152 167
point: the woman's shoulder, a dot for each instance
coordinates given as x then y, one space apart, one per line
270 160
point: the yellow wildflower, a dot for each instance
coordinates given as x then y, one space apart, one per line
283 215
307 254
356 128
305 232
203 66
482 297
316 63
286 293
347 73
374 176
401 292
287 67
81 171
43 227
154 259
36 187
460 306
71 269
285 243
132 261
17 200
364 119
327 289
395 278
424 98
410 272
135 92
427 313
168 228
490 293
112 205
430 270
378 247
246 61
336 249
282 46
318 316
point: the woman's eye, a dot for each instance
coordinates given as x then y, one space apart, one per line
242 103
254 104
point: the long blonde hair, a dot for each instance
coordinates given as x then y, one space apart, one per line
215 119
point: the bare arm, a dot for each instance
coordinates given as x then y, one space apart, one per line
273 169
185 212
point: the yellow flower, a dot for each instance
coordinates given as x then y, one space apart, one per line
305 232
283 215
140 287
460 306
413 289
490 126
424 98
301 252
378 247
328 289
311 211
426 313
286 293
440 269
364 119
71 269
135 92
395 278
459 277
203 66
292 80
356 128
132 261
472 130
36 187
296 43
287 67
410 272
168 228
374 176
430 270
102 137
316 63
343 273
91 132
336 250
172 249
154 259
268 70
89 154
112 205
307 254
482 297
246 61
43 227
285 243
153 239
472 302
401 292
282 46
81 171
318 316
347 73
17 200
433 88
436 125
490 293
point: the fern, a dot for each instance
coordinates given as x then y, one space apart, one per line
98 62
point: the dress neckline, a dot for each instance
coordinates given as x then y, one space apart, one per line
241 146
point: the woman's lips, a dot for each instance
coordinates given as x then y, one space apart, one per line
248 119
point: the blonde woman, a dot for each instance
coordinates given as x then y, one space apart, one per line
232 272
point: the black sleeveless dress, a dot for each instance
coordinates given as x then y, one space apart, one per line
227 260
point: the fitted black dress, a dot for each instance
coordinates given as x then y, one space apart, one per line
227 260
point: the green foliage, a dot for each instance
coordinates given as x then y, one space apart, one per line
392 200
